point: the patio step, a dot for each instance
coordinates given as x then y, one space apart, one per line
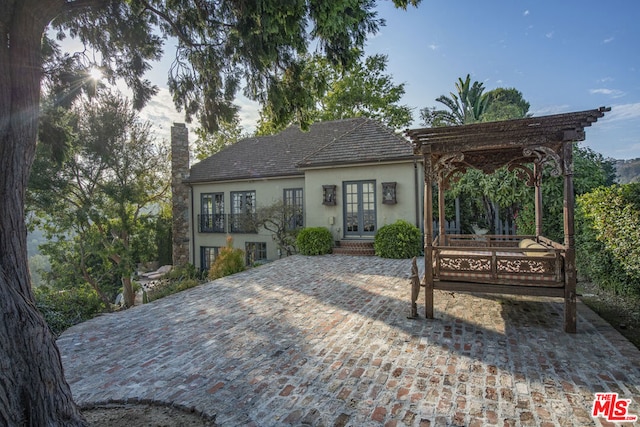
354 247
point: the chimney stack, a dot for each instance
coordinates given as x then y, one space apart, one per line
180 193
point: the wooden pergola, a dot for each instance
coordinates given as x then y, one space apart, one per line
525 265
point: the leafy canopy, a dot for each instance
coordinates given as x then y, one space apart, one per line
481 195
335 92
97 203
220 46
465 106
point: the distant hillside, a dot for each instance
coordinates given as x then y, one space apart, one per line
628 171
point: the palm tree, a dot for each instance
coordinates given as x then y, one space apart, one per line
467 106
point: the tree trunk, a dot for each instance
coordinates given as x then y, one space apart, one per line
33 391
127 292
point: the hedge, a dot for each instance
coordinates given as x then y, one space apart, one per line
398 240
608 232
314 241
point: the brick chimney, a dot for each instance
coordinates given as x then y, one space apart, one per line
180 193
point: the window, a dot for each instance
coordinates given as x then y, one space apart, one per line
211 219
255 251
243 209
293 208
208 255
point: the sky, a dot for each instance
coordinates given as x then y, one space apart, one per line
563 56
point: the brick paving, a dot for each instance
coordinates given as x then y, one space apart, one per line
324 341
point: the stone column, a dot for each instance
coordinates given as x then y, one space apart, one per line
180 193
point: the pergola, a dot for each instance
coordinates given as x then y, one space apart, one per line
526 265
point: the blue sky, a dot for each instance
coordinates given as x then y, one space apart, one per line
562 55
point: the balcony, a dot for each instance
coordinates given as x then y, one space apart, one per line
212 223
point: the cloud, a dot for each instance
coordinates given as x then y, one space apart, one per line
608 40
249 113
162 114
613 93
549 35
624 112
605 80
434 46
525 13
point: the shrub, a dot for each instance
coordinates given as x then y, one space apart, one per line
398 240
608 234
315 241
169 287
229 261
65 308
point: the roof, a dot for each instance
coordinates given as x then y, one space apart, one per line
489 145
328 143
368 142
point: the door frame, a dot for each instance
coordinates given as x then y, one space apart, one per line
360 208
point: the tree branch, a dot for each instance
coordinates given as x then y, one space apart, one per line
179 33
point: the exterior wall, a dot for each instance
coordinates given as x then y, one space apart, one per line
180 193
409 194
267 192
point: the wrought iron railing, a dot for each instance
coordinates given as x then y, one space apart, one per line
212 223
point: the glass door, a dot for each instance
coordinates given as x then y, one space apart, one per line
359 208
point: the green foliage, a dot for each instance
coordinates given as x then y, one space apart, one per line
398 240
609 232
505 104
163 236
209 143
98 203
38 265
333 93
315 241
229 261
65 308
591 170
478 192
170 287
465 106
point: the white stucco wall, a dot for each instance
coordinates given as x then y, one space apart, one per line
332 217
267 192
409 189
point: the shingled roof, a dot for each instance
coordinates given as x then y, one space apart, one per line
368 142
326 143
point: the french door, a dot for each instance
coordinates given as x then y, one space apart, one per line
359 208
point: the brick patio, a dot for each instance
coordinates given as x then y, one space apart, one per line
324 341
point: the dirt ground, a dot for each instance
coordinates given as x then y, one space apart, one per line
140 415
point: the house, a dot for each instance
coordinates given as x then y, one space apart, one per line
351 176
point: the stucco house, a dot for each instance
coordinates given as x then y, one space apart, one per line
351 176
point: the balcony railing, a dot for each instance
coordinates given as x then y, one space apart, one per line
217 223
212 223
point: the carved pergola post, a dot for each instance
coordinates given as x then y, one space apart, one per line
428 236
569 240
